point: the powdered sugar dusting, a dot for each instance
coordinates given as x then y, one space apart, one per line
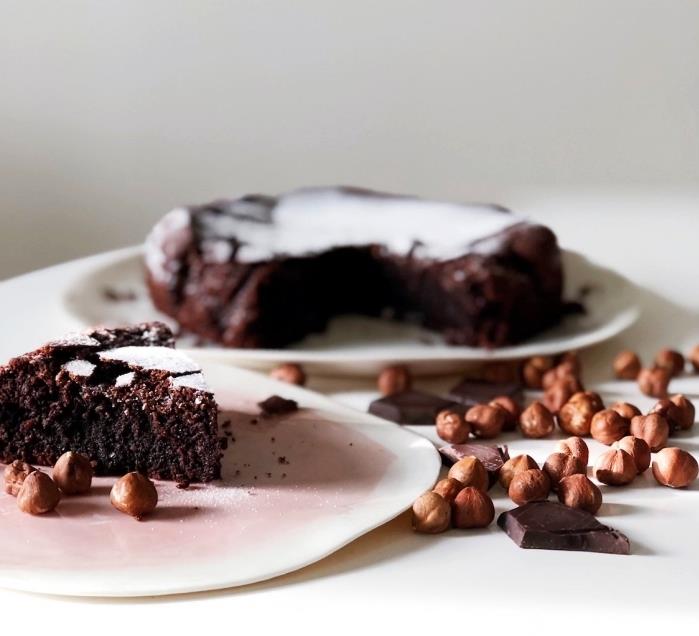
313 220
75 339
193 381
82 368
152 358
125 379
165 243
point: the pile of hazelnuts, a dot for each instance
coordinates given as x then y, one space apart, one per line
461 500
38 493
654 380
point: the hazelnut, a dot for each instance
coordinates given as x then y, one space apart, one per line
687 411
536 421
452 427
615 467
671 360
394 379
571 361
654 382
626 365
15 474
289 372
670 411
529 485
629 411
693 357
638 449
470 472
608 427
472 508
531 376
652 428
577 491
559 393
560 465
575 446
486 421
675 468
431 514
134 494
73 473
38 494
448 488
513 466
542 363
561 373
534 369
575 416
511 408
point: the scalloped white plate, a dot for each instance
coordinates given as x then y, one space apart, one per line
294 489
359 345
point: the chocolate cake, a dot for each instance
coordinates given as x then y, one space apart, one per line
263 271
125 398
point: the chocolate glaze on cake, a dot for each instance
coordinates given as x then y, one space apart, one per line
125 398
264 271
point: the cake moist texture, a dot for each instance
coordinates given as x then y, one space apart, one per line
125 398
263 271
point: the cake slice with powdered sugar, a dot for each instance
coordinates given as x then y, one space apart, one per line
125 398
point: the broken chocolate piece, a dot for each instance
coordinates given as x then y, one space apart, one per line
546 525
277 405
492 457
409 407
472 392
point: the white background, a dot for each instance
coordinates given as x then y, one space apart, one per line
112 112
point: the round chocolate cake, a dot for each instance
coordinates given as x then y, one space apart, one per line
261 271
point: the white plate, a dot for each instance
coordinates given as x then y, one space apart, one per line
294 490
360 345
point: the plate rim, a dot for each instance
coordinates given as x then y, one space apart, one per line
264 358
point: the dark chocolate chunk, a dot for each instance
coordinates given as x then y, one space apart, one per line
277 405
492 457
409 407
472 392
546 525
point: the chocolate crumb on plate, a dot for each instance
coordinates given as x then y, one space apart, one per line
118 295
277 405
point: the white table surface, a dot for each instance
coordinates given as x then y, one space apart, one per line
421 582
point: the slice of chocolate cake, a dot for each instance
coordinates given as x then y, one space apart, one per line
125 398
263 271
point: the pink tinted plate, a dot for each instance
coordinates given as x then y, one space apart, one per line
295 488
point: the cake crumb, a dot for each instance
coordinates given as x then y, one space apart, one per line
115 295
